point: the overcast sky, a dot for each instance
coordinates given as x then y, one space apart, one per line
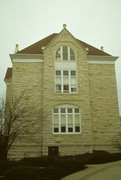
23 22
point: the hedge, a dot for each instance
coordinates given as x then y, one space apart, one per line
34 173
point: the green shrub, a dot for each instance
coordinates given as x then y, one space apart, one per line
99 157
32 173
53 173
6 164
71 164
23 173
39 161
66 162
56 167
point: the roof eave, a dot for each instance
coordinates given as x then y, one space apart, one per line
25 56
102 58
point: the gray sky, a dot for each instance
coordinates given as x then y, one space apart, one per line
23 22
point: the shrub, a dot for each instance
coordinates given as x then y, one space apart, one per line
32 173
39 161
98 157
71 164
22 173
53 173
6 164
55 167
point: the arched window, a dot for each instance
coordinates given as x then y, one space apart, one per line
65 53
66 119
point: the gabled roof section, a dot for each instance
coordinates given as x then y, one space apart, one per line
36 48
8 73
93 50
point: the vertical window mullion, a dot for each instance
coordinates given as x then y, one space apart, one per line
76 81
68 53
69 81
66 121
59 121
61 53
73 121
62 81
55 81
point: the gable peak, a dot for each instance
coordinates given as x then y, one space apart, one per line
64 26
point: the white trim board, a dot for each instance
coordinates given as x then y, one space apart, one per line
65 65
27 60
100 62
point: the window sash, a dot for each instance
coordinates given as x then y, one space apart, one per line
65 53
66 120
65 81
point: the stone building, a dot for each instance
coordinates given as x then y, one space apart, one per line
70 96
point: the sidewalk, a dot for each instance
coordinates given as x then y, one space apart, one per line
92 169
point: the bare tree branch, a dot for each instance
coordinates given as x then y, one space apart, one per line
10 123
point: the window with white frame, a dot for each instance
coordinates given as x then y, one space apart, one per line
66 119
66 81
65 53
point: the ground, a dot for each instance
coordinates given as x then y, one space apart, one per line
108 171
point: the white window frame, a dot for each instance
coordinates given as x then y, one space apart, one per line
66 114
61 54
62 81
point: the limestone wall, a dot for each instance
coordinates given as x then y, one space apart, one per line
104 106
27 80
68 143
96 97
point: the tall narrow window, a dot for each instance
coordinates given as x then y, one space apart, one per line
66 81
65 53
58 82
66 119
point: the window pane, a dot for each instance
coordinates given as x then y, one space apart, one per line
58 80
58 54
56 110
77 129
73 80
70 129
73 89
76 110
65 56
56 129
77 121
65 73
58 88
66 87
62 110
73 73
70 122
56 119
66 80
63 119
72 54
58 72
69 110
70 119
65 49
65 53
63 129
72 57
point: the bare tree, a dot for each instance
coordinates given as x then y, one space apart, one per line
10 123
